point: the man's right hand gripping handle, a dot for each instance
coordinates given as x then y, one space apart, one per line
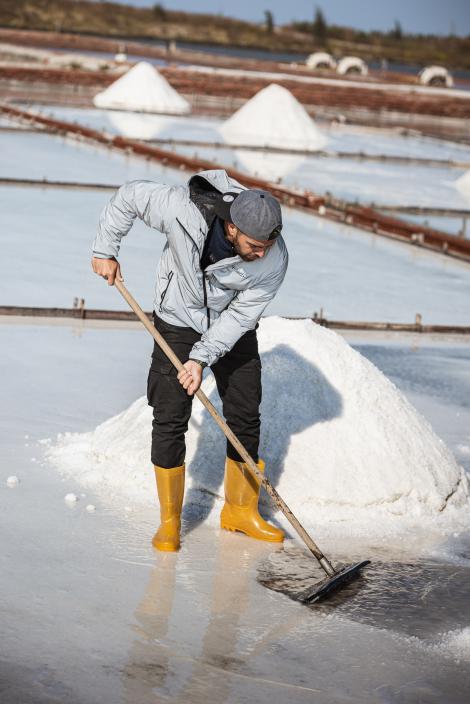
109 269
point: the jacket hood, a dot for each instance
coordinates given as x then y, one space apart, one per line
206 187
216 180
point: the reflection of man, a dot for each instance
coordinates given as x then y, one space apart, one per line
223 262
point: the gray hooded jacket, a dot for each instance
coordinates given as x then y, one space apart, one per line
225 300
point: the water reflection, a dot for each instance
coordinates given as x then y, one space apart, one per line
193 640
267 165
420 598
137 125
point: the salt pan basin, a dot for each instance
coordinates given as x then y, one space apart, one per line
341 443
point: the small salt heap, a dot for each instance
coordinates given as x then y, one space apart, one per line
273 118
463 185
142 89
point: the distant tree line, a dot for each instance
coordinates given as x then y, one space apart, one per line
156 22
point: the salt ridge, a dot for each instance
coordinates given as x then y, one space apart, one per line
341 443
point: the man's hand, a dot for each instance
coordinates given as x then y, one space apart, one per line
190 377
109 269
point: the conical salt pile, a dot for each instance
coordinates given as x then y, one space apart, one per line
142 89
273 118
340 442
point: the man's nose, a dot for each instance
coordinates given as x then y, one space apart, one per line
260 253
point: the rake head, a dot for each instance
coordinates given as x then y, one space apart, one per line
323 589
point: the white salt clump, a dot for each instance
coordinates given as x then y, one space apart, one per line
463 185
90 508
342 445
142 89
12 481
273 118
71 498
456 643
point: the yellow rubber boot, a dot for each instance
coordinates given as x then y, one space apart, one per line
170 487
240 511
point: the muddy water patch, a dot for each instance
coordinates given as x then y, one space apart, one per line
421 598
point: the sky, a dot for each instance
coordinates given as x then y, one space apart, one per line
415 16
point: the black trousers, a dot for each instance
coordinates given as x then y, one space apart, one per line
238 378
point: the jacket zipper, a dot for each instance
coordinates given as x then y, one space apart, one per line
205 299
170 276
203 273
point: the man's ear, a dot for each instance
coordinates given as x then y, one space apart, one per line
231 231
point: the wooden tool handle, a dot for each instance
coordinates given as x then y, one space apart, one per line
280 503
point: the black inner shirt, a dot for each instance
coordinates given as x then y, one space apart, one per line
216 246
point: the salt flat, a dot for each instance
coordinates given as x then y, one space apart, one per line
126 624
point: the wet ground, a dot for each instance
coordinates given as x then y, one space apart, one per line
418 598
90 613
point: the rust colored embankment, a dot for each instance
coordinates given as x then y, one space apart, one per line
242 88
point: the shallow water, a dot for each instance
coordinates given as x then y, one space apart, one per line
417 598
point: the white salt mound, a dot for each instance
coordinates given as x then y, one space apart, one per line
13 481
142 89
273 118
463 185
340 442
70 498
456 643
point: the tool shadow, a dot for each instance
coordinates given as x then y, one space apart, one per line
296 396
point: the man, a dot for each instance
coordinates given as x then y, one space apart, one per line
223 262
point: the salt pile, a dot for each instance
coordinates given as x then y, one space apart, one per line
463 185
341 443
457 644
273 118
142 89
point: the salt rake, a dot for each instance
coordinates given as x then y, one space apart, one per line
335 578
